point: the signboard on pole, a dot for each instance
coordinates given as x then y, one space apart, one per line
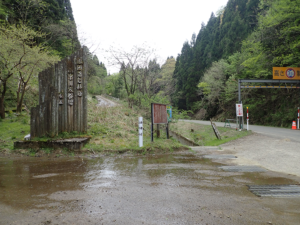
159 116
286 73
169 113
159 113
239 110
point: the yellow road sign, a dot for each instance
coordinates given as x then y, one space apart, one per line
286 73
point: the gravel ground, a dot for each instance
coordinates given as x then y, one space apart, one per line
276 154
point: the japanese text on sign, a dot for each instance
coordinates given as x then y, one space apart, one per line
159 113
70 88
286 73
239 109
79 78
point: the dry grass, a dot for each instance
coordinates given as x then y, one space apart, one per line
116 128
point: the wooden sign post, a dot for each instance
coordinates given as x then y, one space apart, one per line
158 116
62 98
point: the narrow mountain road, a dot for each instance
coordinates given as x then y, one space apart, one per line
105 102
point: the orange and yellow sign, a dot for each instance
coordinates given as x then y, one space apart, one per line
286 73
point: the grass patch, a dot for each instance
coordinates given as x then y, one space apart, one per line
116 128
13 128
111 129
204 134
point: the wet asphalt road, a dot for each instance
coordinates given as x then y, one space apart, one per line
178 188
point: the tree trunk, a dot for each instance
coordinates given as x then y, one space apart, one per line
20 102
18 94
2 109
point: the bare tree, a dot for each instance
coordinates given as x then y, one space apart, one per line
133 68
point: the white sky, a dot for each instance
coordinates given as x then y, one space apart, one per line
162 24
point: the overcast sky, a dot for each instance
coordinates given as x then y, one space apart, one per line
162 24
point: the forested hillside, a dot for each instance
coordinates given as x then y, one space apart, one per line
52 17
35 34
245 40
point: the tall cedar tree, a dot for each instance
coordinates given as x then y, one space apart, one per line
220 38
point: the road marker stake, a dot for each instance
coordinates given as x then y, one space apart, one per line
140 131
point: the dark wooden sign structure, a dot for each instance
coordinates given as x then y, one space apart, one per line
62 98
159 116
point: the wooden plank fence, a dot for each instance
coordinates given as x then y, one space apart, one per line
62 98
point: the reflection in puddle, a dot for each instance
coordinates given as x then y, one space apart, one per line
45 175
132 186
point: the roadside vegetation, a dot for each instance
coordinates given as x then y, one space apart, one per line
204 135
112 129
115 129
13 128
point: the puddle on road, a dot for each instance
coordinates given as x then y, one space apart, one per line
72 184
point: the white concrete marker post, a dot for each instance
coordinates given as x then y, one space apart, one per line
247 120
140 131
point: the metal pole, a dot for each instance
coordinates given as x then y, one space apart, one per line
240 102
247 120
167 130
151 122
298 120
239 89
